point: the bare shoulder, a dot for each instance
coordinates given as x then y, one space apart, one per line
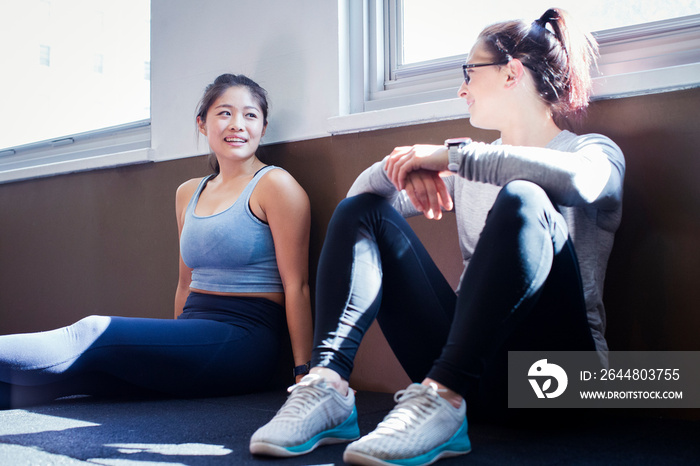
187 189
278 182
190 185
279 195
184 194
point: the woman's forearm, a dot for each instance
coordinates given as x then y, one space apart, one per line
299 322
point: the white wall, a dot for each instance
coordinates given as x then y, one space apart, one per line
289 47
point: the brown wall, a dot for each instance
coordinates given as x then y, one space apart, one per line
105 241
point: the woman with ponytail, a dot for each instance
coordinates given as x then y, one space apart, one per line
536 210
242 295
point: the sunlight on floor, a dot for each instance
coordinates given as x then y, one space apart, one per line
34 423
183 449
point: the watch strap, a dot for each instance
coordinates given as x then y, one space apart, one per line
454 155
302 369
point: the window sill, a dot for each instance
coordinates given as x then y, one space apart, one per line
106 148
398 116
672 78
40 170
604 87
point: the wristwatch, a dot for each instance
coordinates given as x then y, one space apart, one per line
302 369
454 157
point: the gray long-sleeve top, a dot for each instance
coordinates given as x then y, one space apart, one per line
583 176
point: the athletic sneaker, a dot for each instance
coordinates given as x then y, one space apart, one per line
313 415
422 428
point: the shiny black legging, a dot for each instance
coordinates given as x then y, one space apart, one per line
521 291
220 345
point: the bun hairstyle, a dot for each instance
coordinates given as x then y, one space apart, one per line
558 55
216 89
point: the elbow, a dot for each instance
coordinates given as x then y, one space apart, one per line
593 186
298 288
183 285
603 192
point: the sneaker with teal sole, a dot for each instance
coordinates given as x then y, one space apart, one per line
422 428
313 415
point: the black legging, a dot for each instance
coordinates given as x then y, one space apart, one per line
521 291
220 345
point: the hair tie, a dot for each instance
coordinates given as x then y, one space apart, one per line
549 16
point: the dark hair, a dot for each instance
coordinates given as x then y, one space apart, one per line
560 59
216 89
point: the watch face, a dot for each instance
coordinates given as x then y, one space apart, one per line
456 141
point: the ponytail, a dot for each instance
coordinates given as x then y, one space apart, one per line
559 56
581 53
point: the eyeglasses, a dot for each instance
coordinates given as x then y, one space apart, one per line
477 65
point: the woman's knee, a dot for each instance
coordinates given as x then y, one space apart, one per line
522 204
523 192
356 209
359 204
522 198
91 327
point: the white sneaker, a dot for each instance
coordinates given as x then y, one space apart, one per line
422 428
313 415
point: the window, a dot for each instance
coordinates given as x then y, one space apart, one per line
77 89
409 51
434 30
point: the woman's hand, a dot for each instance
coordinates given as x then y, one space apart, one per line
428 193
405 160
416 169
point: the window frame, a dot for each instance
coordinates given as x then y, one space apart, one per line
124 144
635 60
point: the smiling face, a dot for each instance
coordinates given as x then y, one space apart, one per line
484 93
234 125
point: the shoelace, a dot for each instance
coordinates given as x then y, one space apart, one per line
413 405
303 396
